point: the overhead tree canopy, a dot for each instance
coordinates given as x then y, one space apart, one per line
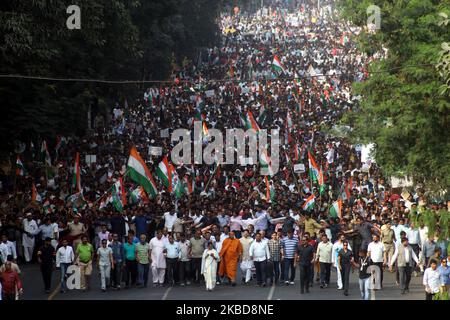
404 111
119 39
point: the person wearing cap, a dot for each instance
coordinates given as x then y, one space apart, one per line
387 239
76 230
30 229
46 258
210 258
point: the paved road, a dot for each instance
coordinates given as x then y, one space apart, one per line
33 287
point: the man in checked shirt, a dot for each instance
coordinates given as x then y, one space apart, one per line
274 245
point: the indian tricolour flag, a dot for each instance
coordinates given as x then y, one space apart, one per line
309 203
336 209
139 173
138 195
20 169
277 65
270 190
314 170
265 161
250 122
76 180
163 171
178 185
344 39
45 153
104 203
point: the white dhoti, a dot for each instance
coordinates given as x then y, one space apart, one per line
339 278
158 260
158 274
28 247
246 268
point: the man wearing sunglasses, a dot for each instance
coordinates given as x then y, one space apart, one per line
305 256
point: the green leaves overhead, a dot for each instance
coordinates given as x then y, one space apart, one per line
404 111
119 39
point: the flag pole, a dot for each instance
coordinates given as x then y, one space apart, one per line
210 178
106 192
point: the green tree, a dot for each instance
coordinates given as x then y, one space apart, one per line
119 39
402 110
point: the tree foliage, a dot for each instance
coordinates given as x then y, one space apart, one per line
404 110
119 39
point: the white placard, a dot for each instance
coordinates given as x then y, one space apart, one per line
165 133
299 168
210 93
401 182
91 158
155 151
245 161
366 152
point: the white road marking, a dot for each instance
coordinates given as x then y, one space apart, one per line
272 290
55 292
166 293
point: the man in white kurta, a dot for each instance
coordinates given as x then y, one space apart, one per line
30 228
158 260
247 262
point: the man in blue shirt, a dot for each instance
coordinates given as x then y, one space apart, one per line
118 258
141 222
172 252
261 224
